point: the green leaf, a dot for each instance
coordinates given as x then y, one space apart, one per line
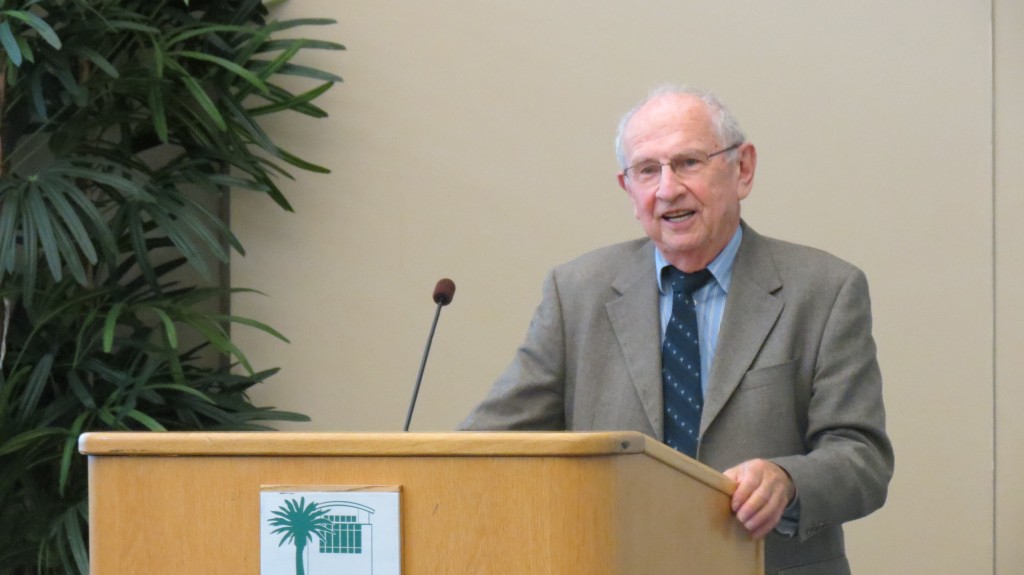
296 22
137 235
80 391
277 415
36 89
183 389
69 255
169 329
100 232
176 228
71 85
295 103
38 24
36 385
159 58
9 210
235 182
204 101
101 62
9 43
227 65
197 295
26 50
73 522
122 25
69 450
208 31
216 336
107 418
253 323
303 43
283 58
278 197
145 420
72 222
297 70
28 438
159 112
41 220
246 126
204 225
120 183
31 257
300 163
110 326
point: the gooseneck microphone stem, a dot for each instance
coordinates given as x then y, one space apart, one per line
423 366
444 291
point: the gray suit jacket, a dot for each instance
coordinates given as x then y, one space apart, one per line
795 378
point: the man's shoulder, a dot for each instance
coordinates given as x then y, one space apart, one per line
614 252
600 275
791 250
607 261
793 259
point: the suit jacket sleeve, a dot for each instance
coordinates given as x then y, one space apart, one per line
846 472
530 395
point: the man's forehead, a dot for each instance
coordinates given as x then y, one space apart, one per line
670 116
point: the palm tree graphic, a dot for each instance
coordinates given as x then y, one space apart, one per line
299 522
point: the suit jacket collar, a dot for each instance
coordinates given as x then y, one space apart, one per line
751 311
635 320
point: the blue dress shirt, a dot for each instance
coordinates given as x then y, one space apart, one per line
709 300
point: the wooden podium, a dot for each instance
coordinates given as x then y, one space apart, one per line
471 503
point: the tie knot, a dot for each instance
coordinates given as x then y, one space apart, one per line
687 283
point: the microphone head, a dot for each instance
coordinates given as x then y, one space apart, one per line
444 291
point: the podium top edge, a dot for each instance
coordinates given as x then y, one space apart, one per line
279 443
453 444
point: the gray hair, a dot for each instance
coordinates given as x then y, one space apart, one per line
727 127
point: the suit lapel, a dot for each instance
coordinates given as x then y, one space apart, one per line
635 320
750 312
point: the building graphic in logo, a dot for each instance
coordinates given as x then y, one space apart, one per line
317 533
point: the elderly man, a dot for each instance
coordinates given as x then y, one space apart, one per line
753 355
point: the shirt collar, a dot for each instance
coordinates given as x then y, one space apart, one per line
720 267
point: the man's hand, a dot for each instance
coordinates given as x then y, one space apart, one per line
763 493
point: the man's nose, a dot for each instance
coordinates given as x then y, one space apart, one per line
670 185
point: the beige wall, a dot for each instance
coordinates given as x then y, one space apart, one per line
473 139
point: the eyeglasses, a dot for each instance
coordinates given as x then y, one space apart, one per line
685 164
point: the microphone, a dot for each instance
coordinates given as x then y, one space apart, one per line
444 291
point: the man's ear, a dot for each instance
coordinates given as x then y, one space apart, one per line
747 165
622 184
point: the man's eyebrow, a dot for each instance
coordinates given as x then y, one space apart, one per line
679 154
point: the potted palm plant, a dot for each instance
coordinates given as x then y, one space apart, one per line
123 126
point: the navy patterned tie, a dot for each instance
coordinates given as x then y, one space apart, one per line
680 363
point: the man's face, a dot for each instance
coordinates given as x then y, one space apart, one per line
689 217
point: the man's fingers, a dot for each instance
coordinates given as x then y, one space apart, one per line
744 487
763 491
760 515
752 506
